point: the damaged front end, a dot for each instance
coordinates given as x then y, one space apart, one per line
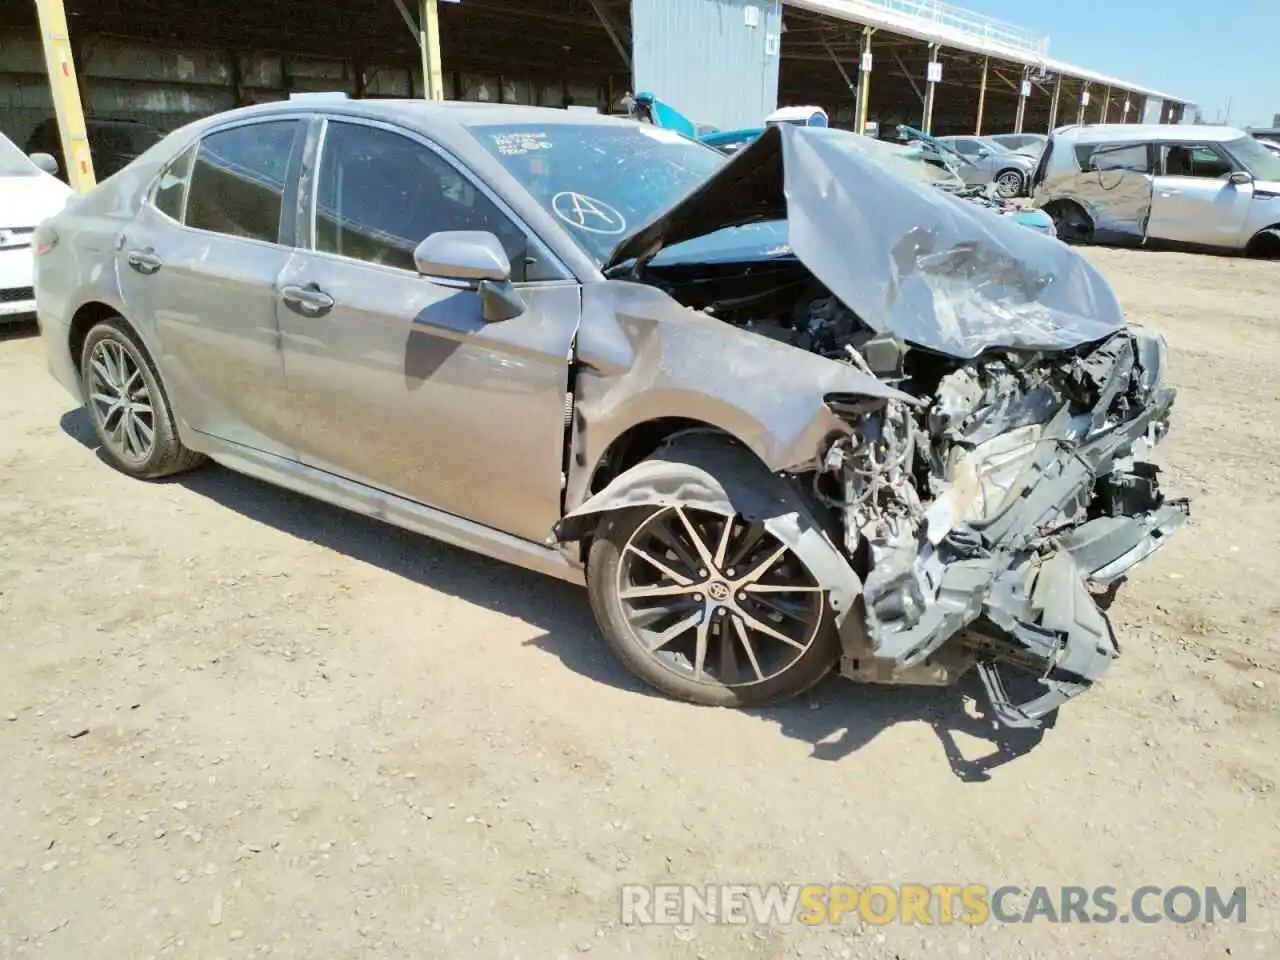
988 521
997 484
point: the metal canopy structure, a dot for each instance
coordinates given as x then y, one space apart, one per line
869 60
922 62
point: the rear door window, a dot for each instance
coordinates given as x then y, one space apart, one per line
238 180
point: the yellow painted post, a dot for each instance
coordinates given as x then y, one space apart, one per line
1053 106
933 79
982 97
1024 90
429 41
864 79
65 89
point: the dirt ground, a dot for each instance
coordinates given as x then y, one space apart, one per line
235 722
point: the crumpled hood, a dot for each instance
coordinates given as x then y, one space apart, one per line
932 269
26 201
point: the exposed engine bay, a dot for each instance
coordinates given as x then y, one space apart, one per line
985 520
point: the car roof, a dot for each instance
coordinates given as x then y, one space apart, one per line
1128 132
416 113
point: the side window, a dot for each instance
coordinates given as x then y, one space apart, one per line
964 146
171 188
238 180
380 194
1187 160
1131 157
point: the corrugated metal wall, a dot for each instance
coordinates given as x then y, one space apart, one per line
166 87
716 61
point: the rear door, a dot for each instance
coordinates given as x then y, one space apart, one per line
198 265
1195 202
1115 186
396 381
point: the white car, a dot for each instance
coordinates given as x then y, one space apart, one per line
29 194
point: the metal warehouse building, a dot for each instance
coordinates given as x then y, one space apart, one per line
722 62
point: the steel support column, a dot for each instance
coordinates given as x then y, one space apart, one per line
1084 103
65 89
1106 105
1024 91
933 78
429 42
982 97
1128 105
1053 104
864 80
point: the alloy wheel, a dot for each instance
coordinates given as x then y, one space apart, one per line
1009 184
717 600
121 402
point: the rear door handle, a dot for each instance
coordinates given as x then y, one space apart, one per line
145 261
309 300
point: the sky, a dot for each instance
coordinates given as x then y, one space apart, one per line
1208 51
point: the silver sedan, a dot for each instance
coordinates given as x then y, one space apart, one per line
771 432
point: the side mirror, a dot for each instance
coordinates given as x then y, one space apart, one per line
46 162
982 153
1240 178
472 260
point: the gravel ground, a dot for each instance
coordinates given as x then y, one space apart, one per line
235 722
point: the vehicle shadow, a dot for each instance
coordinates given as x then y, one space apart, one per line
18 329
836 719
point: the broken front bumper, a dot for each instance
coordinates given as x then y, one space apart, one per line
1017 587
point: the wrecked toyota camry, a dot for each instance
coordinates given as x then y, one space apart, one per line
983 475
808 415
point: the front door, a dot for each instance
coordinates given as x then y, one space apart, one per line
1195 201
396 381
198 267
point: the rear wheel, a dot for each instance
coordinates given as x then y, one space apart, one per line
709 609
128 406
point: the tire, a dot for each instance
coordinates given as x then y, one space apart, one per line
1071 222
113 353
1009 184
767 671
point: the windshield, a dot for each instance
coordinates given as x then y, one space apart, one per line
601 181
995 146
1256 158
13 162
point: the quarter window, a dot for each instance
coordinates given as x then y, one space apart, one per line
171 189
238 181
380 194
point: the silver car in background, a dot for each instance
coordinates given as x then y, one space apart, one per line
1028 144
1191 187
987 161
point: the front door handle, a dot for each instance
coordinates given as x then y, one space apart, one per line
145 261
309 300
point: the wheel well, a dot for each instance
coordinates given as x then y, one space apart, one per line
85 319
630 447
1265 243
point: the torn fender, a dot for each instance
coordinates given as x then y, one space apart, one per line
641 356
709 472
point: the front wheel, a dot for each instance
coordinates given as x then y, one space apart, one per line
1009 184
709 609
